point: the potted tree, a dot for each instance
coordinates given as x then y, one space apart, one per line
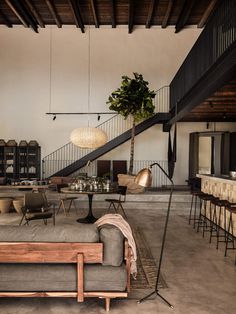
133 98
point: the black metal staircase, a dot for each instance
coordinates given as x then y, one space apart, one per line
73 167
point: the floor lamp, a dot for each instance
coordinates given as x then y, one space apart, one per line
144 178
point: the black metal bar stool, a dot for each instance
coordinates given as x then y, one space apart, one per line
203 221
218 227
193 216
230 237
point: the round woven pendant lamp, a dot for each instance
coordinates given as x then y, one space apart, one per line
88 137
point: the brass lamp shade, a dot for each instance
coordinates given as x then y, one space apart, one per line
88 137
144 177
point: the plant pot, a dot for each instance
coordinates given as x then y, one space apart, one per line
128 180
18 203
5 205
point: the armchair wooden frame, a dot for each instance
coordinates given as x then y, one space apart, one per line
51 252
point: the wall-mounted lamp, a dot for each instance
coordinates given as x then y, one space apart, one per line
54 117
99 117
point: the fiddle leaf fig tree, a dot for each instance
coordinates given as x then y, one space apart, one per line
133 98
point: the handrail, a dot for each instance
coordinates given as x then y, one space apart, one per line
113 127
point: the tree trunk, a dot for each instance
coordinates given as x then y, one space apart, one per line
131 161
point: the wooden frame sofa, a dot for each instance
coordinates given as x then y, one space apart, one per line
45 253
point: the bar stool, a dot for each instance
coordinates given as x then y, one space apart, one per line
216 220
203 220
230 238
195 198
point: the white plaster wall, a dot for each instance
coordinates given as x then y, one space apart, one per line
25 84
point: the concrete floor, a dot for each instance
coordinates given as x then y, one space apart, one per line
200 279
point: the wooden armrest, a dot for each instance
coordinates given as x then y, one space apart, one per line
80 278
127 261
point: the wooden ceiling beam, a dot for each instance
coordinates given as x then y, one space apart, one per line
131 16
207 13
17 13
35 13
77 15
53 11
5 19
184 15
95 17
168 13
23 14
113 14
150 13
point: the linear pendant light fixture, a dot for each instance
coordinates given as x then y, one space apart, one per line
88 137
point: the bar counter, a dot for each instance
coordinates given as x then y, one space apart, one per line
220 186
223 187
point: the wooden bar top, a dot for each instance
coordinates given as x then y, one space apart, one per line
220 178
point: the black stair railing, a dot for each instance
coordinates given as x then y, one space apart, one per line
157 118
214 41
118 131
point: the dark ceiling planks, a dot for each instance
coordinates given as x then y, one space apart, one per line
5 19
147 13
220 106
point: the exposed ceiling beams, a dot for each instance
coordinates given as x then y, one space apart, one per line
148 13
22 12
167 13
131 16
14 9
53 11
93 9
113 14
77 15
184 15
35 13
207 13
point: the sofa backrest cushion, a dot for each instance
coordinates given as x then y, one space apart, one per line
40 233
113 241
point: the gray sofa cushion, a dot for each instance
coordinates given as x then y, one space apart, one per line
113 241
41 233
61 277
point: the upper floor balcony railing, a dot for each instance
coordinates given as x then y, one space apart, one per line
218 35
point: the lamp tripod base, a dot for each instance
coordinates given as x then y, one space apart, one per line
159 295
